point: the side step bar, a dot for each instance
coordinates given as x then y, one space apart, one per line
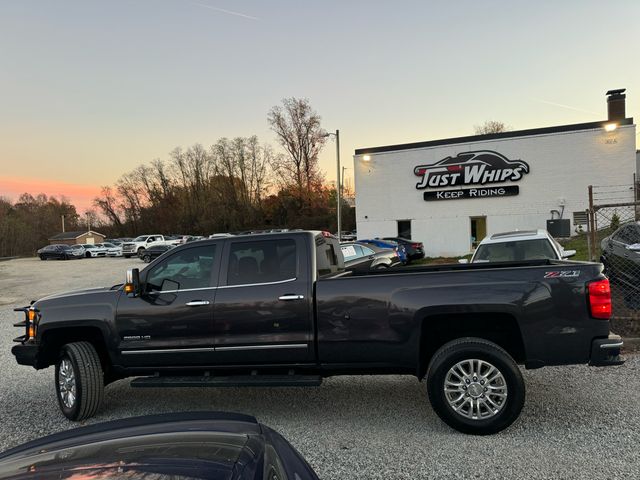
231 381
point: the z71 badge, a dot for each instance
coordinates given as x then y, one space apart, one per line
562 274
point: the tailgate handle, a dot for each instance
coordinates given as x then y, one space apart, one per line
197 303
290 296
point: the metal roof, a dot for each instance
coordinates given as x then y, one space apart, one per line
73 235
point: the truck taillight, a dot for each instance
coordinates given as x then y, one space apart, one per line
600 299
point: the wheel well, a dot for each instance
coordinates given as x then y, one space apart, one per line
53 341
499 328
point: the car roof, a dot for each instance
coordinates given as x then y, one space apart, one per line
516 235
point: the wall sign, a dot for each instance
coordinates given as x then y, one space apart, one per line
482 192
480 167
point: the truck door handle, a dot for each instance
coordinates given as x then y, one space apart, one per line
197 303
290 296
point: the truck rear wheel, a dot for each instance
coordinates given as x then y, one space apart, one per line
475 386
79 381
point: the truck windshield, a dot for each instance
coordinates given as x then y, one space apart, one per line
515 251
140 239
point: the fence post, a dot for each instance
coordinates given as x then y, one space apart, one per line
592 225
588 233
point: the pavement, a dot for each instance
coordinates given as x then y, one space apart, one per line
578 421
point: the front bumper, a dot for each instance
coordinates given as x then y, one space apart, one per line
26 354
606 351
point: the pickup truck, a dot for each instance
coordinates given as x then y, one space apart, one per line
280 310
139 244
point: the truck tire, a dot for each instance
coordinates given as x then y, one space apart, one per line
146 258
79 381
141 252
475 386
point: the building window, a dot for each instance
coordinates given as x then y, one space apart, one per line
404 229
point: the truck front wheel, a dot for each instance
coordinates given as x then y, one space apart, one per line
79 380
475 386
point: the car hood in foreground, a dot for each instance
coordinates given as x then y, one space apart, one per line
214 445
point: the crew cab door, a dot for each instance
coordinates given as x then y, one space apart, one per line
171 321
263 311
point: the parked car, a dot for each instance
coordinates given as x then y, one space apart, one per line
216 445
288 314
79 249
621 255
347 236
92 250
519 246
415 250
112 250
154 252
58 251
362 258
115 241
141 243
398 247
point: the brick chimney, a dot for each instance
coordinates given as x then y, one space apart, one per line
616 104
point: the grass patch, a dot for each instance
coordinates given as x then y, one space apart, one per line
579 244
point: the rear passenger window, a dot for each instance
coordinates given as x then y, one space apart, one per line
261 262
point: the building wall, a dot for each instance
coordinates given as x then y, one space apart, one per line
89 237
562 166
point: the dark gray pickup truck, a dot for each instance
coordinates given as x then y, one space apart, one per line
279 309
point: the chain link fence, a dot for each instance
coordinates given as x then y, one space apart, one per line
614 239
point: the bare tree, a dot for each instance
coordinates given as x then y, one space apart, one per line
298 130
108 205
491 126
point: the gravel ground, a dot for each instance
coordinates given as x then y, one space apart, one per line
578 422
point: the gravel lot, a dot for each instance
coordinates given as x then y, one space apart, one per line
578 422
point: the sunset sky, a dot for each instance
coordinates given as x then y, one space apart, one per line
91 89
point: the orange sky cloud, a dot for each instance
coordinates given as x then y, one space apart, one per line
79 195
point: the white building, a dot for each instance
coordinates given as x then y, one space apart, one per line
451 193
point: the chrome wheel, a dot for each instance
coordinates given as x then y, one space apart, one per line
67 383
475 389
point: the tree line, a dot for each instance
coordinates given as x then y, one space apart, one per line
232 185
28 223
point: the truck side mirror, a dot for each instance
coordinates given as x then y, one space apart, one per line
568 253
132 282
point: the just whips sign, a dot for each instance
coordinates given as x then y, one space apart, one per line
470 168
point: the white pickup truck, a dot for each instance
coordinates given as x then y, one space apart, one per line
141 243
519 246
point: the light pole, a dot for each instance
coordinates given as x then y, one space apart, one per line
338 187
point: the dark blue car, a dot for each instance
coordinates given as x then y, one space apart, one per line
212 445
398 247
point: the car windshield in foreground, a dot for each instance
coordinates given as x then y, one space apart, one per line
537 249
181 456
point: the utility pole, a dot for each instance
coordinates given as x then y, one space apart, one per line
338 186
62 223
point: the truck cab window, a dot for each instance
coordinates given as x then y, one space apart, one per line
186 269
261 262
